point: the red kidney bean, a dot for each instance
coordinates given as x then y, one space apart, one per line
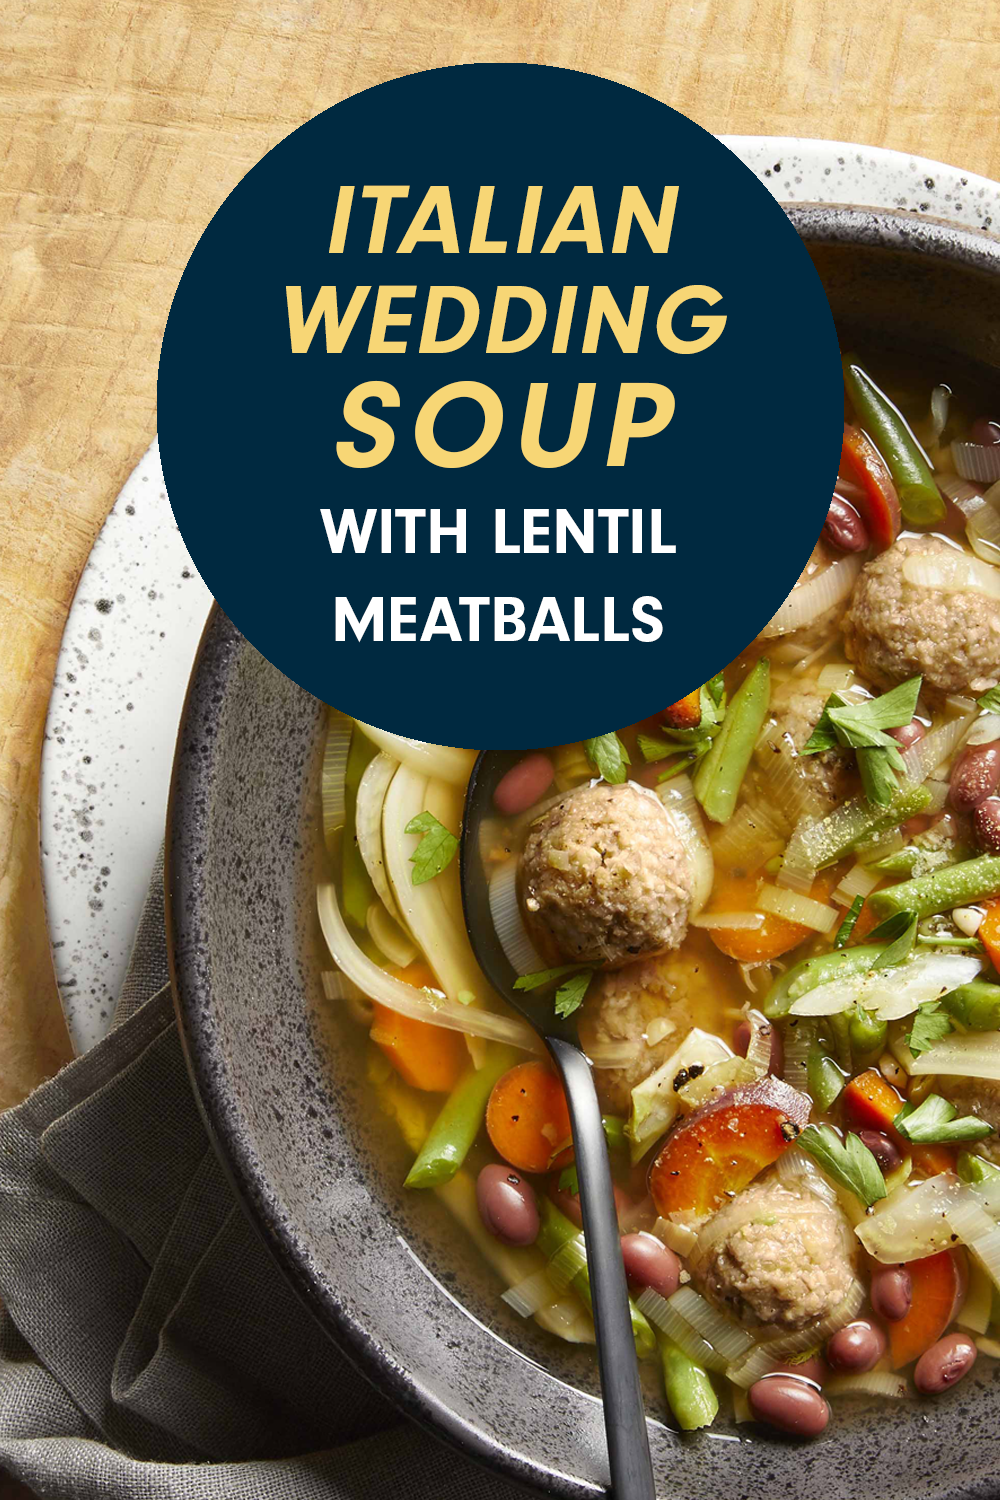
814 1370
909 734
790 1405
944 1363
986 825
884 1150
776 1062
648 1262
974 776
569 1202
507 1205
985 432
844 528
891 1292
856 1348
524 784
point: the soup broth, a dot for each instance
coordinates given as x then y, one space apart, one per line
773 909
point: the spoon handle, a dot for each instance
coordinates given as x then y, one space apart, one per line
624 1415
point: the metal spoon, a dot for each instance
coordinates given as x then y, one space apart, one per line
624 1415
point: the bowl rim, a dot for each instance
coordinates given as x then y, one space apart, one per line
220 644
896 229
892 230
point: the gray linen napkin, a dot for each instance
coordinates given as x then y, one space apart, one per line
149 1347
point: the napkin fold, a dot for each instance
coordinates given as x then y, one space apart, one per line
149 1346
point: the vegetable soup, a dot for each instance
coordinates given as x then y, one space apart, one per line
773 909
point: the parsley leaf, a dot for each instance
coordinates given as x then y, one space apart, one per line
544 976
847 1161
990 700
698 739
857 734
931 1024
862 727
568 1180
436 849
689 745
936 1121
609 757
889 711
713 709
569 996
653 750
878 774
715 689
898 951
824 736
891 928
849 923
685 751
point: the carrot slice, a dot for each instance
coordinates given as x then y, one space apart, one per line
866 923
721 1148
928 1161
426 1056
869 1102
685 713
861 462
938 1281
989 932
775 935
754 945
527 1118
419 974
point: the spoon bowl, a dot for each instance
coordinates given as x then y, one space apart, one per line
624 1414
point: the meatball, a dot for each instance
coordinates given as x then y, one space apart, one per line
895 629
656 1001
604 877
796 706
777 1259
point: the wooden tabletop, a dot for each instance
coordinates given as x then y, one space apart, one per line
126 124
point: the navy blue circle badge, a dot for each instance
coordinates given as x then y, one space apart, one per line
500 405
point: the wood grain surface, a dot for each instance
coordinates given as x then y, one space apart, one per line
124 126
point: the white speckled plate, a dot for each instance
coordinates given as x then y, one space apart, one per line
140 607
126 654
798 170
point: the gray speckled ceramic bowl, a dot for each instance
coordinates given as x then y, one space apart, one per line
283 1089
